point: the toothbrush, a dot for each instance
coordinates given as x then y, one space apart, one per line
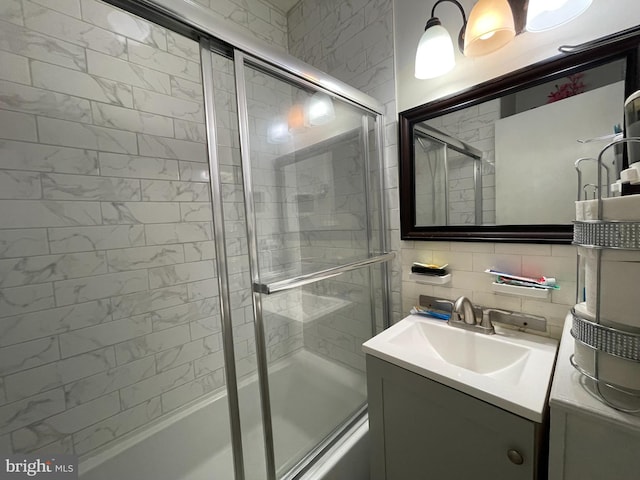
548 281
429 313
520 283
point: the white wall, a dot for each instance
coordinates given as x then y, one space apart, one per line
602 18
531 160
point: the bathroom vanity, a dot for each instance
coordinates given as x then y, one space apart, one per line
422 429
452 404
588 440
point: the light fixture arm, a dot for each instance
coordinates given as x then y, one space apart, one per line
435 21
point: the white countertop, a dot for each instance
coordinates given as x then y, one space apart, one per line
572 391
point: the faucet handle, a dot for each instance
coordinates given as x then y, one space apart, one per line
486 320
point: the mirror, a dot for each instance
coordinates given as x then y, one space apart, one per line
498 162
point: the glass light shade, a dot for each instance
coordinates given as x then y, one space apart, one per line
544 15
320 109
489 28
435 55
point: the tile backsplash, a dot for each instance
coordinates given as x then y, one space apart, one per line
468 261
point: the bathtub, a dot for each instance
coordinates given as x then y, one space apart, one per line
194 443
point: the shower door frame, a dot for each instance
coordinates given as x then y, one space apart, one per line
241 61
193 20
206 51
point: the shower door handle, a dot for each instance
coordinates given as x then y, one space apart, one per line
295 282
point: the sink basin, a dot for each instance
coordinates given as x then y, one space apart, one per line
483 354
510 369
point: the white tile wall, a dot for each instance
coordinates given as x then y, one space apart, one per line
468 261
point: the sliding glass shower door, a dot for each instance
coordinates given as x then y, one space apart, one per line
312 191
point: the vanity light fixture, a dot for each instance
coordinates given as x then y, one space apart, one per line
489 28
543 15
435 55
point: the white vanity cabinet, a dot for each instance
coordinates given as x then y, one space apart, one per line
588 439
422 429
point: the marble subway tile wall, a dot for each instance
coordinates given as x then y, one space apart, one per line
338 318
334 231
108 291
261 20
430 184
353 41
462 187
255 18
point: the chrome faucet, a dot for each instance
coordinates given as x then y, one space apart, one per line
463 315
463 309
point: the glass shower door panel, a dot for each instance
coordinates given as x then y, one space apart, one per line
311 184
308 170
316 366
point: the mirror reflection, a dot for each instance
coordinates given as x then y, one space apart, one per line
511 160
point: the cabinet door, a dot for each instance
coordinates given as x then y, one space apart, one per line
585 447
424 430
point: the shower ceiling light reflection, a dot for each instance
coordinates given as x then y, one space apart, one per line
317 110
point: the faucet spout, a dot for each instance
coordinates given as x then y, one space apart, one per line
465 315
464 308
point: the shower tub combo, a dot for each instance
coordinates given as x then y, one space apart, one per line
180 448
187 274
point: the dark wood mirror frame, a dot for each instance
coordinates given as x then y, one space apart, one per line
556 67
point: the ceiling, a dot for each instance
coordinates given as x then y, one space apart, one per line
284 5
